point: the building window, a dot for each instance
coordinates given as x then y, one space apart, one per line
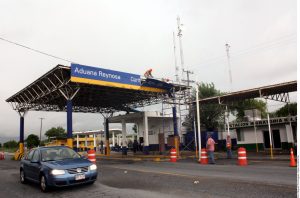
240 135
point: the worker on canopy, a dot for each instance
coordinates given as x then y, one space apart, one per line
148 73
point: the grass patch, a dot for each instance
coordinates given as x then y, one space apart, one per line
9 150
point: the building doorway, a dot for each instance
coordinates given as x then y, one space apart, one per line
275 137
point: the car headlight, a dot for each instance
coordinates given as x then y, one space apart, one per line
93 167
58 172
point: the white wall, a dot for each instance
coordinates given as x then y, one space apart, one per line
249 135
154 128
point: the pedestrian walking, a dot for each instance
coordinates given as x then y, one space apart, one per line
229 146
210 146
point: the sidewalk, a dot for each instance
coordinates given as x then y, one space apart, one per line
191 155
257 156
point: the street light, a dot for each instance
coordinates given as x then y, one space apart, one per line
41 130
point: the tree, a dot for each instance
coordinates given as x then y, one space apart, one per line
134 128
57 132
10 144
241 106
286 110
32 141
210 114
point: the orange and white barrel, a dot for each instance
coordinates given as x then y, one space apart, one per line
2 156
173 155
92 155
242 157
204 157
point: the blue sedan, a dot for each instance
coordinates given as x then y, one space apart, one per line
56 166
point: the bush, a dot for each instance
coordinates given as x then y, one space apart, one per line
10 144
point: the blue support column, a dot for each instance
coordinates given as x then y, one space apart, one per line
69 124
175 121
21 145
176 137
107 148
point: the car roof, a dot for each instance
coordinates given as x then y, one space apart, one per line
49 147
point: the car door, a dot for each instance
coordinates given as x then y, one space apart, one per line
27 163
35 165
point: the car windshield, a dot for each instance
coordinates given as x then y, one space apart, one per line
58 153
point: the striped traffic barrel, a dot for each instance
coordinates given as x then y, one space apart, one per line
173 155
204 157
92 156
242 157
2 157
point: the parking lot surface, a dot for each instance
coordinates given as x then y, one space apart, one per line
125 178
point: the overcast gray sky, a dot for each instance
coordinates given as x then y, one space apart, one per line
135 35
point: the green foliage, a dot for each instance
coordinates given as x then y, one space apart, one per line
0 145
10 144
57 132
43 142
32 141
207 90
240 106
286 110
210 114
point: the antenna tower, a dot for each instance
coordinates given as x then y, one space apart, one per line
175 60
227 46
179 34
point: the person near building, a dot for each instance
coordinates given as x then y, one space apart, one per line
135 146
148 73
101 147
141 146
210 146
124 147
228 147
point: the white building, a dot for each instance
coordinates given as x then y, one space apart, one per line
153 129
256 132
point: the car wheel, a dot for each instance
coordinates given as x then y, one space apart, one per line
91 183
22 177
43 184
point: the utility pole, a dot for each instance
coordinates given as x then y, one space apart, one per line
227 46
41 130
188 81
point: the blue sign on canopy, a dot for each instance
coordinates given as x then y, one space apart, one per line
106 77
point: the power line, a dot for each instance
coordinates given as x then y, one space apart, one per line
35 50
265 45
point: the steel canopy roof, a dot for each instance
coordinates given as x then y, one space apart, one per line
274 92
49 93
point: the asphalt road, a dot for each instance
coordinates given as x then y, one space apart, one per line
119 178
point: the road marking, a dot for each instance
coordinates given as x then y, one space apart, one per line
157 172
287 186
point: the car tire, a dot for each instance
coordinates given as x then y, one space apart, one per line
43 184
23 179
91 183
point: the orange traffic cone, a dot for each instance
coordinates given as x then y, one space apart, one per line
292 159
